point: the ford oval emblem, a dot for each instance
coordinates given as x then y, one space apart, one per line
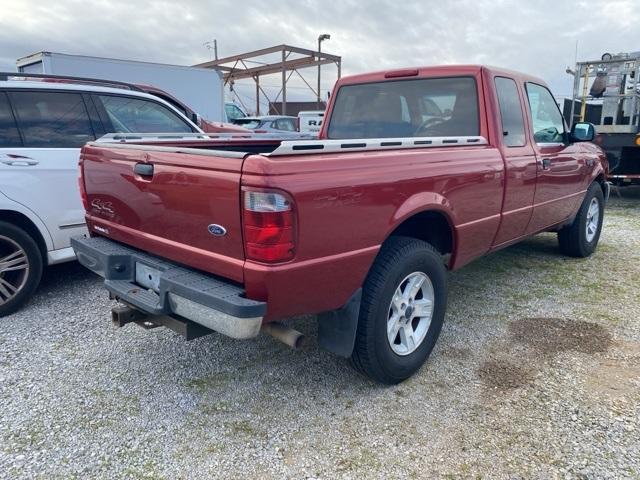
217 230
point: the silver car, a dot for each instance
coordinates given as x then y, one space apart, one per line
269 124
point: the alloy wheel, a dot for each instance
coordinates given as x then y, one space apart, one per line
593 218
410 313
14 269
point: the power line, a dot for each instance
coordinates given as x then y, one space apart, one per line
277 86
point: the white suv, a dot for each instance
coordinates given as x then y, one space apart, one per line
43 125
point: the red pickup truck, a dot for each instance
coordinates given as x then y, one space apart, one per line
416 172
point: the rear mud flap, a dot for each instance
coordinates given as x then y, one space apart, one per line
337 329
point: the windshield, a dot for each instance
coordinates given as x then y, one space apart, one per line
249 123
233 112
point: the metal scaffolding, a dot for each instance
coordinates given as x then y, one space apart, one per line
609 89
289 61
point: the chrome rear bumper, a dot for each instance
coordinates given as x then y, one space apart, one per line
212 302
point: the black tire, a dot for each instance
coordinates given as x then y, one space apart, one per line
398 258
25 281
573 239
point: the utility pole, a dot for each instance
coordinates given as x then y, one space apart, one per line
324 36
213 48
284 84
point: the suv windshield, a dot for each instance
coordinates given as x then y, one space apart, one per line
406 108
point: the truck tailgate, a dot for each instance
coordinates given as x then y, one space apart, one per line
179 203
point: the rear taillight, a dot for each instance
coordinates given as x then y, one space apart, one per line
269 226
83 190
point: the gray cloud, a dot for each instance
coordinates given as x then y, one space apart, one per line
536 37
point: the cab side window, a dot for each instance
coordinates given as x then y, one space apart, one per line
513 134
9 136
52 119
138 115
546 119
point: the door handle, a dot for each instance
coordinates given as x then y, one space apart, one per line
545 163
20 163
143 169
15 160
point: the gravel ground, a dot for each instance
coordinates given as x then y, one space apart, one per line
536 375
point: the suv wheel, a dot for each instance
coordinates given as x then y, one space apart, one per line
402 310
20 267
580 239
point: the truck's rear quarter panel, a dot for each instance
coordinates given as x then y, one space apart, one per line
348 203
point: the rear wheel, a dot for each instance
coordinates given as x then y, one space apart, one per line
402 310
580 239
20 267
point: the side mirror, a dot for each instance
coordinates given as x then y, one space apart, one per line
583 132
197 119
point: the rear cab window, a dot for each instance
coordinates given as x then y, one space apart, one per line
427 107
513 131
139 115
49 119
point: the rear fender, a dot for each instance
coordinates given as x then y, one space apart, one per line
8 205
426 202
337 329
422 202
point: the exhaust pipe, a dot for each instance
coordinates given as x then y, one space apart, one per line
286 335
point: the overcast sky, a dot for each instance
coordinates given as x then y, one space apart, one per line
536 36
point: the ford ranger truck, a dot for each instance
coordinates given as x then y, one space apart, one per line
416 172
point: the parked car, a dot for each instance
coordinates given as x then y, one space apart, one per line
269 123
43 123
207 126
359 227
